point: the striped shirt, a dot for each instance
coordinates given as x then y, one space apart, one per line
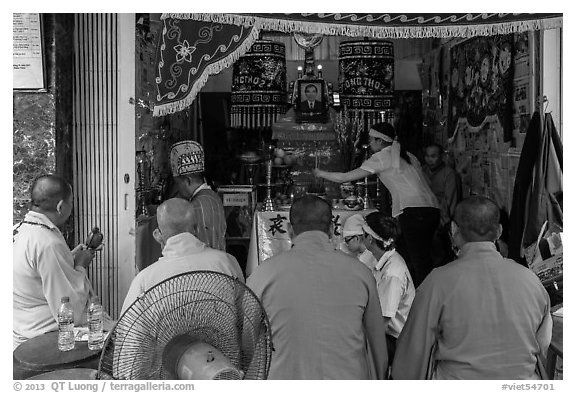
213 221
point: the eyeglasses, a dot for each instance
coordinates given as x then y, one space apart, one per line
348 239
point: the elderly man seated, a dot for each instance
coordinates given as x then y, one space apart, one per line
481 316
44 268
178 222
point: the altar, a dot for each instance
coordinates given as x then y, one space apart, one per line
270 235
311 145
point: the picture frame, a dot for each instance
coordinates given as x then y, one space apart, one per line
311 101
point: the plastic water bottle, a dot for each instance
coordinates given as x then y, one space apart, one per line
95 325
65 325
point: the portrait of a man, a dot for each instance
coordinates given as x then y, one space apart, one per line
309 98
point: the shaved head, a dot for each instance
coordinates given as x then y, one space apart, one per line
176 216
478 219
48 190
310 213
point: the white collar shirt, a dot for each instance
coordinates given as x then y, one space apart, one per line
407 184
43 273
182 253
395 290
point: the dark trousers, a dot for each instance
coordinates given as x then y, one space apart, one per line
391 345
418 225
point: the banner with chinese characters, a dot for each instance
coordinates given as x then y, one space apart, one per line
259 86
270 234
366 75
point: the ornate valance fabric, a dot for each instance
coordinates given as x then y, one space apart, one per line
388 25
196 45
188 52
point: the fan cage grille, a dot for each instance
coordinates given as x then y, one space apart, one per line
207 306
228 375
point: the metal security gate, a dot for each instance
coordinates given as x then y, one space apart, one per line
104 148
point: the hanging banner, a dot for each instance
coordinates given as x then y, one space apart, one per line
194 46
259 86
366 74
388 25
190 51
481 82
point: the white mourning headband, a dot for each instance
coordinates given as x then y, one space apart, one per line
378 134
369 231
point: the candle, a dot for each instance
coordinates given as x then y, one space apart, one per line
320 71
299 72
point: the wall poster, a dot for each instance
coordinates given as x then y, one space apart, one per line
481 81
27 53
523 96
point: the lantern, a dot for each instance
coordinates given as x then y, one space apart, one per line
367 78
259 86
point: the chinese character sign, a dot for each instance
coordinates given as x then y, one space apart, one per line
273 236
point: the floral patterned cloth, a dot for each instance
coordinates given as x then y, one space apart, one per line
481 81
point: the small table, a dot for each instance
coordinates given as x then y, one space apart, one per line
40 355
270 234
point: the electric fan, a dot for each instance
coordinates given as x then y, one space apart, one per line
196 325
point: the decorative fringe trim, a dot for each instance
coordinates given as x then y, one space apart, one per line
214 68
289 26
441 31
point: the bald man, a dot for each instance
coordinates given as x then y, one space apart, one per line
481 316
178 226
44 268
322 304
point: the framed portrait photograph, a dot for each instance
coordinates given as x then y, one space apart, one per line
310 101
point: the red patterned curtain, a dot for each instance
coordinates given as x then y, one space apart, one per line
194 46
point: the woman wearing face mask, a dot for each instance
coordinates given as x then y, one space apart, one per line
395 287
413 202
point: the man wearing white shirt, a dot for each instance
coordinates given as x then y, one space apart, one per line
44 268
182 251
395 287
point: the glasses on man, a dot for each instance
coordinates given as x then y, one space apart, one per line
348 239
